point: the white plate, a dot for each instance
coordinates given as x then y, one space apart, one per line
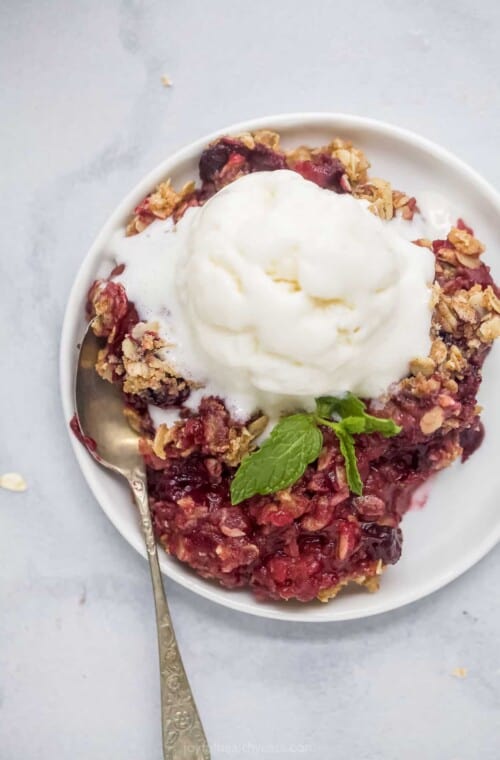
461 521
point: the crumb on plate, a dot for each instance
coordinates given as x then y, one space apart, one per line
12 481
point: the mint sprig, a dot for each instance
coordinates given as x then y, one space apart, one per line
296 441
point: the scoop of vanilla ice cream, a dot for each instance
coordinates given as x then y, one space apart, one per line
292 290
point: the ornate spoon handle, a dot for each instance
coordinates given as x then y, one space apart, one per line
183 735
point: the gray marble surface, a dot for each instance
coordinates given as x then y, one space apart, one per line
84 116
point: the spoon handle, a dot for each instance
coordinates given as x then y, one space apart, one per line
183 735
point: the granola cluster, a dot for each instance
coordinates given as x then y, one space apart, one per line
132 355
312 539
465 322
210 433
160 204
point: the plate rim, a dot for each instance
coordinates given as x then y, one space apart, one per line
90 469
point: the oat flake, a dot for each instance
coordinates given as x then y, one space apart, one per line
12 481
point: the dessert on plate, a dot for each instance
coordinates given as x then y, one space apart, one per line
300 347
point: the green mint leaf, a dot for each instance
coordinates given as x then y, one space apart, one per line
354 424
348 451
294 443
386 427
344 430
350 407
325 406
344 406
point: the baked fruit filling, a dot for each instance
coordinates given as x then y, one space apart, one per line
320 532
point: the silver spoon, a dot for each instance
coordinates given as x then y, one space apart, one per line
99 407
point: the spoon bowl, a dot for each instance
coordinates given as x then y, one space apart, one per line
99 406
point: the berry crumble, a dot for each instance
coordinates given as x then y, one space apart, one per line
311 538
